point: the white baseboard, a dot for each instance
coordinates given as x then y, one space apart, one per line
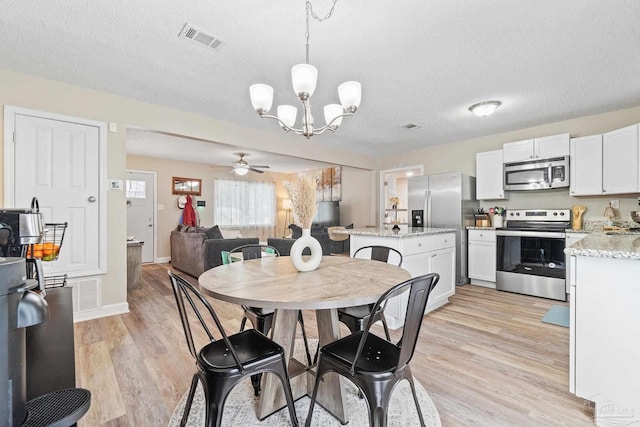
104 311
162 260
483 283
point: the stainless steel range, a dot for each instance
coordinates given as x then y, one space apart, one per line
530 252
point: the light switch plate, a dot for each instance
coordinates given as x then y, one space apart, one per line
115 184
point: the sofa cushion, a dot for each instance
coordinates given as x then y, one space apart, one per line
213 233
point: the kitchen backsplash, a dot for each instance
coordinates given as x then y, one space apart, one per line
560 199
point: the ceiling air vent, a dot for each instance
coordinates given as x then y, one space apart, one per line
196 35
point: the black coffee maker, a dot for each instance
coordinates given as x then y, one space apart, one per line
20 307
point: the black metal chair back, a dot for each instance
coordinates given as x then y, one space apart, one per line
185 291
254 251
380 253
419 290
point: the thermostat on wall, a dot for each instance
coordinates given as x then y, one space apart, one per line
201 203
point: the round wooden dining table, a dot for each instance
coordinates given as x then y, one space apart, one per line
274 283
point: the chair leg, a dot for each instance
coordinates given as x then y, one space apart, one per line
319 375
378 398
304 338
286 386
415 397
187 405
243 323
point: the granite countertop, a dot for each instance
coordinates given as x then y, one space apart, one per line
403 232
600 245
472 227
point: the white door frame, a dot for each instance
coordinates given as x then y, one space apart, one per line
381 197
155 209
9 166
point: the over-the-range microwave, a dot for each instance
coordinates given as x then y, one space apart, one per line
537 174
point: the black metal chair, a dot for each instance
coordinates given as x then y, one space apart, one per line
262 318
221 364
376 365
356 317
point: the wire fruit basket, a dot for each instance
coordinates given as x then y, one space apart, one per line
49 249
55 281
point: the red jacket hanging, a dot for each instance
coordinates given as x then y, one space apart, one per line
189 214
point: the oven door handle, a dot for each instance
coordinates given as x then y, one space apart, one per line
549 234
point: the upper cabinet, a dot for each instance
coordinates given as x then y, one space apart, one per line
489 175
586 166
606 164
538 148
620 161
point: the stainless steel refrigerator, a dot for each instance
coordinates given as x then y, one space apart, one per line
445 201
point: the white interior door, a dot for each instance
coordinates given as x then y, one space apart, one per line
141 207
58 162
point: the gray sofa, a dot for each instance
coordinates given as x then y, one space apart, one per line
193 253
283 245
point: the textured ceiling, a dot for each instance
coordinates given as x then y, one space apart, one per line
419 61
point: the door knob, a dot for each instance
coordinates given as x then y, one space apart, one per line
91 199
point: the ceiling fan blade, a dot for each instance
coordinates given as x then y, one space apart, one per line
263 167
255 170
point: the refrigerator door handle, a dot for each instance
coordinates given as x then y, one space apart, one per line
428 194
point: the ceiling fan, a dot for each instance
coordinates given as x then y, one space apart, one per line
241 167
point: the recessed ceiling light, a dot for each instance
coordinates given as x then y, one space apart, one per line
486 108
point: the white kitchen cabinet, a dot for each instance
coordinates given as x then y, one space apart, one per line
620 161
570 240
489 181
604 351
586 166
482 257
422 254
538 148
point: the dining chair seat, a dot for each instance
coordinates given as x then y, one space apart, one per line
250 346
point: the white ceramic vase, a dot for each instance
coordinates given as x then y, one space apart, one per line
308 262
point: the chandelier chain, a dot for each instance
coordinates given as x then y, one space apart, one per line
310 11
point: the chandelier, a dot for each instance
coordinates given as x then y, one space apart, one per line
304 78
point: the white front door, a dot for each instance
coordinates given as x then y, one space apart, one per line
141 206
58 162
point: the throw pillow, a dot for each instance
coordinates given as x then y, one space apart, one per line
296 231
213 233
349 227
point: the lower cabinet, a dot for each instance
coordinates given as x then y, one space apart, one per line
571 239
482 257
422 254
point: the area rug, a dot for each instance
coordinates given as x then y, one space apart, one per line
557 315
240 408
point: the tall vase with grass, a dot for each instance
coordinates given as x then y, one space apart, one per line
302 193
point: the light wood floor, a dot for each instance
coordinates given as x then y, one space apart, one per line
486 359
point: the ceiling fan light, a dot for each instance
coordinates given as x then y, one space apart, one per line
483 109
350 94
287 114
304 78
241 171
261 97
331 111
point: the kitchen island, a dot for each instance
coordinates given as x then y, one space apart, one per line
424 250
605 318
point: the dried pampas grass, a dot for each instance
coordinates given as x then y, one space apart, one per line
302 193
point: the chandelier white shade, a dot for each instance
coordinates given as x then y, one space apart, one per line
241 171
304 78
